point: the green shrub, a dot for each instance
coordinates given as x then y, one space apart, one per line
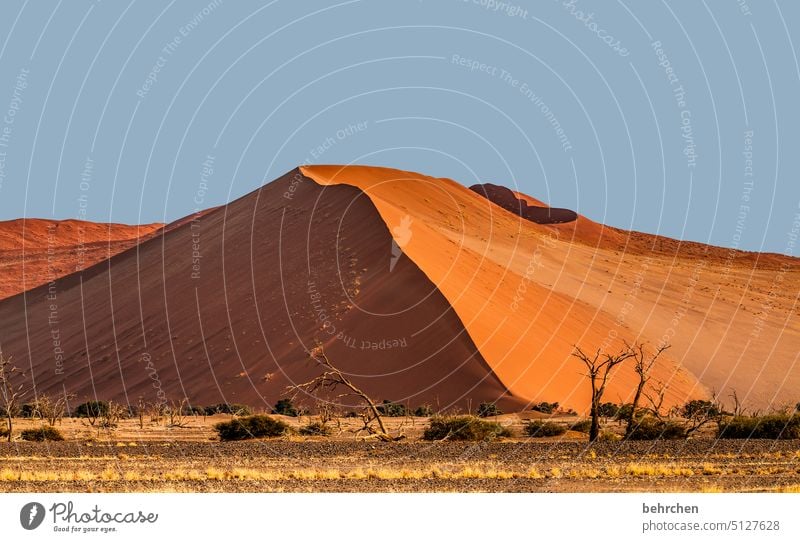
607 410
28 410
285 407
581 426
463 428
773 426
193 410
392 410
488 409
228 408
91 409
41 434
624 412
649 428
538 428
315 429
250 427
424 411
545 408
698 408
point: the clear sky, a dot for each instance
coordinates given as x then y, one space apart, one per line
679 118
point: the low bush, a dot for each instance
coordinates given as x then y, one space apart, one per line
649 428
3 431
424 411
91 409
41 434
285 407
250 427
463 428
315 429
608 436
624 412
607 410
488 409
773 426
544 429
581 426
545 408
228 408
392 410
698 408
193 410
28 410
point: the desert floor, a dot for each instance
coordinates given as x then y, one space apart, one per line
178 459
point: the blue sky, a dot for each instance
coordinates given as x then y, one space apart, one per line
678 118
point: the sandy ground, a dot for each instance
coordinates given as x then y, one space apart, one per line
191 459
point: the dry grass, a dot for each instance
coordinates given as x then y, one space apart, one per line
191 459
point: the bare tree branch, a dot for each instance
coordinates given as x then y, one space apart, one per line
599 370
331 379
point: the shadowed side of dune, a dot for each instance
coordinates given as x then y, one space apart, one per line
224 305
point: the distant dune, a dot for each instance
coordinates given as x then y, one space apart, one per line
423 290
35 251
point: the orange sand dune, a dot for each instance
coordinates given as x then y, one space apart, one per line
528 292
222 306
36 251
423 290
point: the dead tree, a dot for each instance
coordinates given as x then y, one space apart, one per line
50 409
643 367
112 415
332 379
141 406
10 390
176 413
737 405
656 400
599 367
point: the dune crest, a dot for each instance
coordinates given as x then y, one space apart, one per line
527 292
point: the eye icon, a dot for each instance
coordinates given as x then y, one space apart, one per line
31 515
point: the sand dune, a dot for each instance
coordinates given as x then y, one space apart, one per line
422 289
222 307
34 251
527 292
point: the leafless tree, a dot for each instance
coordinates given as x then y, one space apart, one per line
737 405
176 413
141 406
112 415
11 390
333 379
656 399
156 412
52 409
643 365
599 367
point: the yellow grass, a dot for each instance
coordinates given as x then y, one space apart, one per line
639 469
